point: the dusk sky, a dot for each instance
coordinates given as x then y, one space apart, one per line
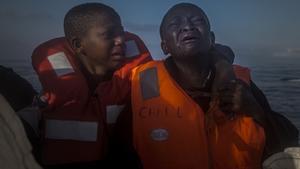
269 27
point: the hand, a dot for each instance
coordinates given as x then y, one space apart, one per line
236 97
223 74
222 52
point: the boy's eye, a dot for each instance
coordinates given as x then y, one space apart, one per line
198 20
119 31
107 34
173 24
111 33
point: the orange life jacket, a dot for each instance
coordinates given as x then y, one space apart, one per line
169 129
75 122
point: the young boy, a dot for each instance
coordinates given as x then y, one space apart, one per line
84 78
189 111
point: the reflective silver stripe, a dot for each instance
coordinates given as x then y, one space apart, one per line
112 113
131 49
159 134
149 83
60 64
71 130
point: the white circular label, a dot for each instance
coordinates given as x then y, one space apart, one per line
159 134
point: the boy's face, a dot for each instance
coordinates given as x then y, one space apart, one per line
104 44
186 32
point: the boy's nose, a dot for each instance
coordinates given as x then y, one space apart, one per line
187 25
119 40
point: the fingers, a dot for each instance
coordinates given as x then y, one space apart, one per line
228 109
231 85
229 96
226 93
229 99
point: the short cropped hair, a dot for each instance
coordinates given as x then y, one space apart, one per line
162 24
81 18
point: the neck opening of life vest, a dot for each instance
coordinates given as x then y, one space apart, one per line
288 159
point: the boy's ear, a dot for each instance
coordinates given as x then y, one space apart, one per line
76 44
212 38
164 47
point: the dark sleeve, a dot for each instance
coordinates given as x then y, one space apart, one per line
280 132
121 151
17 91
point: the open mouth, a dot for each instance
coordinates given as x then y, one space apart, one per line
190 38
118 53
